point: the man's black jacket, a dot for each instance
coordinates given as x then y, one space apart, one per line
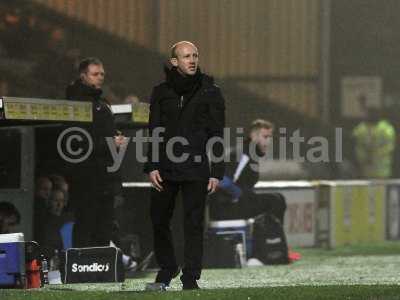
244 177
249 174
197 117
103 126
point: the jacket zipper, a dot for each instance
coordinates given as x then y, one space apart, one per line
181 102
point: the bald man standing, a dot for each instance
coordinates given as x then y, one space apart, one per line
187 110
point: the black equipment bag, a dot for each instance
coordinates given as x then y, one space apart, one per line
97 264
270 245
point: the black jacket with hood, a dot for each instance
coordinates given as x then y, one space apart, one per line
191 108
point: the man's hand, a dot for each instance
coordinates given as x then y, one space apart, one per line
155 180
212 185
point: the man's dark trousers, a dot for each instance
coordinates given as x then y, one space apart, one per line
162 206
94 216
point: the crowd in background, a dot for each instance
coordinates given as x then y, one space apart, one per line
51 212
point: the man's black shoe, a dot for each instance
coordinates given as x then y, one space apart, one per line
156 287
166 279
162 281
190 285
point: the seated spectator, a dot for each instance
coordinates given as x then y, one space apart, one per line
43 190
57 203
9 217
43 187
60 183
235 198
49 237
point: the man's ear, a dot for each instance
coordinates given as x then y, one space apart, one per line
174 61
253 135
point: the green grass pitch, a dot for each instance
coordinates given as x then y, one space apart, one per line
356 272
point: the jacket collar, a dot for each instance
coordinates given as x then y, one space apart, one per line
183 85
88 92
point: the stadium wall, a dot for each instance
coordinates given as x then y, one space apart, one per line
269 47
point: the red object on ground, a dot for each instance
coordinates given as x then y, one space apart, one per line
293 256
33 280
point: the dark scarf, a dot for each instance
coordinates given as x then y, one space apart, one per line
85 92
183 85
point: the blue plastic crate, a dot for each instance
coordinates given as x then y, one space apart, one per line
12 263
